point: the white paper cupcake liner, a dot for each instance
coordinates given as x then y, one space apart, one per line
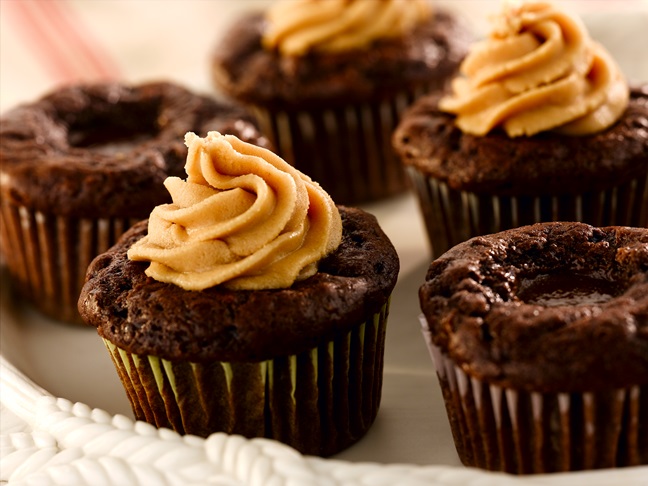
347 149
524 432
452 216
47 255
319 401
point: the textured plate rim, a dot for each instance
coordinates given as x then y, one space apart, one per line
76 444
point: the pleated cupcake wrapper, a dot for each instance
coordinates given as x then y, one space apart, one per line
522 432
346 149
47 255
318 402
453 216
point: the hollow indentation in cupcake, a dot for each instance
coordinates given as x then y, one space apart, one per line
119 130
563 288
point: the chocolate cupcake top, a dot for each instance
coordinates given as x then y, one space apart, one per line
546 163
144 316
102 150
552 307
350 52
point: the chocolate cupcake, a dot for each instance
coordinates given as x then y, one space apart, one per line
328 81
539 336
265 318
81 165
512 146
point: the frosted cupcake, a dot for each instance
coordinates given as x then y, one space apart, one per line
328 80
251 304
540 126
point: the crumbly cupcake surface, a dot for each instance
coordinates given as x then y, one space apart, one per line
493 304
352 282
102 150
428 139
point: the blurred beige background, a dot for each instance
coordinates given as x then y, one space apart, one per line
150 39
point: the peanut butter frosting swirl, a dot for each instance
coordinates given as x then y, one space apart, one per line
296 27
243 218
538 70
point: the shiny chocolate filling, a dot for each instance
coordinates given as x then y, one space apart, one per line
556 289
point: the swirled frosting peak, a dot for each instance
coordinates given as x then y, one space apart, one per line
243 218
538 70
296 27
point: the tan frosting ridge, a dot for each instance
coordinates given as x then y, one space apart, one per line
243 218
538 70
296 27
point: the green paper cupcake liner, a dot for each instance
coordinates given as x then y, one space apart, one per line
453 216
524 432
47 255
319 401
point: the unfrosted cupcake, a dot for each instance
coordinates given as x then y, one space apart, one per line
251 304
328 80
540 126
539 336
83 163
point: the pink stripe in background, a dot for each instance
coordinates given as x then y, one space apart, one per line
60 41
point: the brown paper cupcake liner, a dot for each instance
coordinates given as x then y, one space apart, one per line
47 255
319 401
524 432
346 149
452 216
